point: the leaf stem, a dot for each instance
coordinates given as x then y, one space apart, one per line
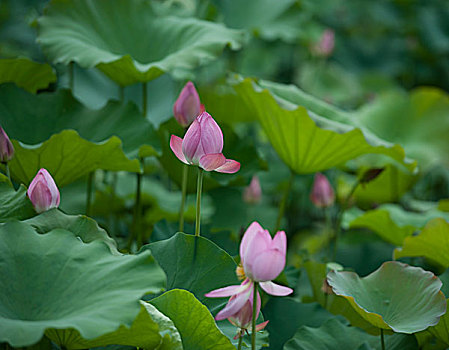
185 174
240 342
144 99
72 76
138 210
382 340
253 328
284 202
199 188
121 92
8 173
90 180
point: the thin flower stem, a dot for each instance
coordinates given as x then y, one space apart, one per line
240 342
253 329
90 181
138 211
72 75
199 188
284 201
340 217
121 92
8 173
382 340
185 175
144 99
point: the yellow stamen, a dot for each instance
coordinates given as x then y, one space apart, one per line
240 272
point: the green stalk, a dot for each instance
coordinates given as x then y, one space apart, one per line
382 340
8 174
340 217
138 211
284 202
240 342
90 180
199 188
121 92
71 75
144 99
253 329
185 175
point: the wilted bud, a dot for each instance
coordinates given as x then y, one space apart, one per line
188 106
6 148
326 44
43 192
322 194
253 192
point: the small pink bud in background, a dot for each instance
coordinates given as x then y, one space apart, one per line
202 146
326 45
322 194
253 192
6 148
188 106
43 192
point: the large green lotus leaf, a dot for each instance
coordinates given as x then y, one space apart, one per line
391 297
418 121
335 335
210 269
69 157
441 330
391 221
308 142
432 243
32 119
72 285
80 225
29 75
193 321
14 204
129 44
150 330
335 304
228 329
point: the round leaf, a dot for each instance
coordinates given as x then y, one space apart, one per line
14 204
392 296
72 285
130 43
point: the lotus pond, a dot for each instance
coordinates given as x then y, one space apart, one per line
224 174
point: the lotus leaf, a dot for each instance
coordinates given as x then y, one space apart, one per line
14 204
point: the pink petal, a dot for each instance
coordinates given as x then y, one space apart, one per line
188 106
176 147
191 145
261 326
260 244
280 242
249 235
52 187
226 291
211 135
230 167
235 304
212 161
275 289
41 196
267 265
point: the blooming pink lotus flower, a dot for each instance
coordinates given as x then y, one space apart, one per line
326 44
202 146
43 192
188 106
6 148
322 194
253 193
262 259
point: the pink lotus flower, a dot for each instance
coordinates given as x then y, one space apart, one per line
188 106
202 146
43 192
253 193
326 44
6 148
322 194
262 259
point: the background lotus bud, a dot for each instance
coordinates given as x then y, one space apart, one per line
322 194
326 45
202 146
43 192
6 148
188 106
253 192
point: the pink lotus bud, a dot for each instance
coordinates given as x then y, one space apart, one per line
43 192
322 194
202 146
326 44
6 148
253 193
188 106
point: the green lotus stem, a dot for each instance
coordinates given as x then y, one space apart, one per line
284 202
185 175
253 328
8 173
382 340
138 211
71 75
121 92
199 188
344 206
240 342
144 99
90 180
